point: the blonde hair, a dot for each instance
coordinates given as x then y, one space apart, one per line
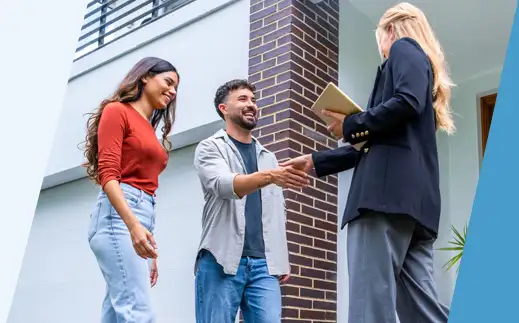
409 21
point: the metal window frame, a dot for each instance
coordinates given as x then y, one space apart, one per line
108 16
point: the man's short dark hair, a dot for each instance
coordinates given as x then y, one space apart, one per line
223 92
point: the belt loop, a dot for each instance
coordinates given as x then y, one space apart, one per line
141 196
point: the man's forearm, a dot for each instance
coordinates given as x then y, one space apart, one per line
247 184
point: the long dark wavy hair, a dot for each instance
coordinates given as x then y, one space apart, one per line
130 90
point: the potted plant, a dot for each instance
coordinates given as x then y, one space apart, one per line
457 244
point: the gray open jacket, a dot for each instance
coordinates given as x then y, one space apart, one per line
217 161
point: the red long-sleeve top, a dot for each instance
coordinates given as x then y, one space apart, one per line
129 150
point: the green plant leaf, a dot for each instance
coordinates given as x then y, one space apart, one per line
457 244
453 261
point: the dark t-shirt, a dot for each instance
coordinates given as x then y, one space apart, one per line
254 245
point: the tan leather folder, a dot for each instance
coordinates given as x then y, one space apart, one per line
333 99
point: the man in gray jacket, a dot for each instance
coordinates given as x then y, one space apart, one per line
243 253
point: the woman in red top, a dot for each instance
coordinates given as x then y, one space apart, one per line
125 158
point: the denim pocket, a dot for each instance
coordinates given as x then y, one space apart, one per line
94 221
131 199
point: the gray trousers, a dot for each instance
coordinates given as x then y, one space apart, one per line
390 264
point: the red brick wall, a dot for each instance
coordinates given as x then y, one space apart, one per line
293 54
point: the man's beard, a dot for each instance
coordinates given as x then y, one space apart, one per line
240 121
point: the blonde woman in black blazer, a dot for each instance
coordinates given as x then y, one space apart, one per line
394 203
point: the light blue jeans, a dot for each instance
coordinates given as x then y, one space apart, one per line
127 276
253 289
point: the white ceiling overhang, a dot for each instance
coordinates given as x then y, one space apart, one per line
473 33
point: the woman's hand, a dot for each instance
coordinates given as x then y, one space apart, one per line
154 272
304 163
335 128
289 177
143 241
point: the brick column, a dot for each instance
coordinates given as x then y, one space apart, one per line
293 55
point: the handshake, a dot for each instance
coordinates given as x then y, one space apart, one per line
293 173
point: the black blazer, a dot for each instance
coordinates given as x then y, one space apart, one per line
397 170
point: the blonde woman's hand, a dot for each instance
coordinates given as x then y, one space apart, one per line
289 177
335 128
303 163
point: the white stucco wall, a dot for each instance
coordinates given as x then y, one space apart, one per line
463 157
206 40
464 146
